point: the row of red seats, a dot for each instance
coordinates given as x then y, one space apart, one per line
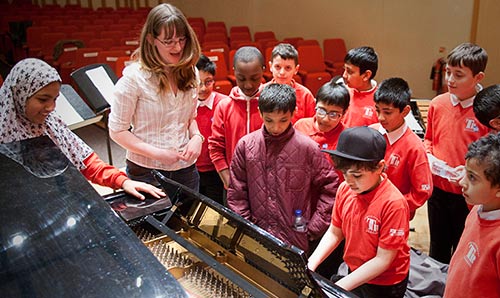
313 73
75 59
316 65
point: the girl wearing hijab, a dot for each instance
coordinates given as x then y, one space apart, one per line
27 103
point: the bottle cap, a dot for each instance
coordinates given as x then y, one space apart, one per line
298 212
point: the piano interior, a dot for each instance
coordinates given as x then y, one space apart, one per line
213 252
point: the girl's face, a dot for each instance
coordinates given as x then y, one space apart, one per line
170 49
42 103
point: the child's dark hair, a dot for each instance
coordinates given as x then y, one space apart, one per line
343 164
395 92
332 93
277 97
486 151
363 57
248 54
205 64
285 51
468 55
487 104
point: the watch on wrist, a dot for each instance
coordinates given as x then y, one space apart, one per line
201 136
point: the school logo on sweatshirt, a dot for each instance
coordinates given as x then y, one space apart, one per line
472 254
372 224
471 125
394 160
368 112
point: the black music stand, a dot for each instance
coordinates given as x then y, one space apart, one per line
73 110
94 95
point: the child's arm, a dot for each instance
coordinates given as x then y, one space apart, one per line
369 270
428 137
328 243
224 176
325 182
420 181
237 192
217 141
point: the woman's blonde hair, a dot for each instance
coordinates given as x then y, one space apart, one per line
168 17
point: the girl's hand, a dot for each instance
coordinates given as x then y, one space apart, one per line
193 149
133 187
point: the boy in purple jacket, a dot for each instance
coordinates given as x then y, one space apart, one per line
276 170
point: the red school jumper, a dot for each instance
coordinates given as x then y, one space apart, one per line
475 265
450 130
306 104
378 218
361 111
406 165
204 118
234 117
325 140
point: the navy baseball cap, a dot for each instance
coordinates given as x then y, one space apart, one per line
360 143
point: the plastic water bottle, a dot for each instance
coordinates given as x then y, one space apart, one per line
299 222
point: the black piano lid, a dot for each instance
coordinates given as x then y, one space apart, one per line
289 263
59 238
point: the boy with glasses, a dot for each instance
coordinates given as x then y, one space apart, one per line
208 99
332 101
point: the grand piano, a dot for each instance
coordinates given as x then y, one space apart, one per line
59 238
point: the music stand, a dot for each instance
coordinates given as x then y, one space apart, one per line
96 82
73 110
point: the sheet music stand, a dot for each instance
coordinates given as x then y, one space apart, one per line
94 93
73 110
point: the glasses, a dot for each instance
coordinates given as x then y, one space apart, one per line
331 115
207 83
170 43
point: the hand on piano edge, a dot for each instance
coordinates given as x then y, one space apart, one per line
133 187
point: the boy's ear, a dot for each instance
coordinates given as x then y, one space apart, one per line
381 166
406 111
495 123
480 76
366 75
297 69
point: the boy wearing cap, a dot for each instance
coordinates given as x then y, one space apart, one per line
372 215
275 171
